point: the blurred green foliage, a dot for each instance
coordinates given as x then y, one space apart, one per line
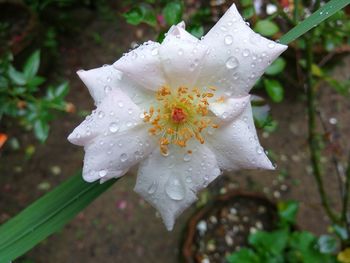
24 97
286 244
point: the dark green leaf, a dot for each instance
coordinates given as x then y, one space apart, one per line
266 27
244 255
276 67
274 89
31 66
41 130
46 216
62 90
36 81
172 13
327 244
312 21
196 30
287 211
248 12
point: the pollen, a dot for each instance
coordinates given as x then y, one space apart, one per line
179 115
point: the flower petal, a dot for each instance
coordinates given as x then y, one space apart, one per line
100 81
181 59
170 183
180 32
236 145
111 156
238 56
115 114
230 108
143 66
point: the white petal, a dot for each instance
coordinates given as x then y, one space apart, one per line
112 155
115 114
143 66
170 183
180 32
238 56
236 145
181 60
100 81
230 108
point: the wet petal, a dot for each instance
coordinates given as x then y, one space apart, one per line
181 60
143 66
100 81
112 155
237 55
230 108
236 145
115 114
180 32
170 183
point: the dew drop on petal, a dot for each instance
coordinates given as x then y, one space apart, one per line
232 62
174 189
180 52
123 157
102 173
107 88
120 104
152 188
228 39
188 179
245 52
271 45
154 51
113 127
187 157
101 114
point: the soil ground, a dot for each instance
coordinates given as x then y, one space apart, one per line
121 227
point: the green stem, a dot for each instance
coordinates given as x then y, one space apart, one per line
312 133
296 11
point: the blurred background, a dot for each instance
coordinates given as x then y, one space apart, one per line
44 42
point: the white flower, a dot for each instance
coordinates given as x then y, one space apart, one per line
180 110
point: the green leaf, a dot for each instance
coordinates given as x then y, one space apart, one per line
142 13
312 21
244 255
196 30
266 27
276 67
248 12
41 130
62 90
31 66
172 13
274 89
327 244
340 232
17 77
46 216
272 242
287 211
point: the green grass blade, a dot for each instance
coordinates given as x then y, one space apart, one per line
46 216
312 21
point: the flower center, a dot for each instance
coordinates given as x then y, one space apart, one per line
179 115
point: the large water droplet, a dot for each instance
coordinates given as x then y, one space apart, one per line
113 127
228 40
152 188
232 62
174 189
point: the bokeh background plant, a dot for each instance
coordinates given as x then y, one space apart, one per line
301 105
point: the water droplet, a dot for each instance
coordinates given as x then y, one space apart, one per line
130 111
128 124
188 179
123 157
245 52
187 157
102 173
223 28
228 40
174 189
180 52
120 104
113 127
101 114
259 150
232 62
152 188
109 79
271 45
